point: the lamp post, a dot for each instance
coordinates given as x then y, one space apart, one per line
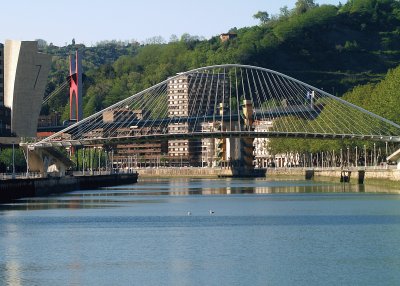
365 156
322 160
13 161
341 157
91 155
348 157
356 158
83 161
374 154
99 160
27 161
386 149
112 161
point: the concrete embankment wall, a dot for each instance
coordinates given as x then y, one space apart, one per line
298 173
208 172
11 190
183 172
381 174
15 189
369 174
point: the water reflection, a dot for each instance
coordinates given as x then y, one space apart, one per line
153 191
11 269
141 234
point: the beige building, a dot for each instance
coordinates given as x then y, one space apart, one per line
5 113
25 79
123 115
186 99
1 74
262 156
227 36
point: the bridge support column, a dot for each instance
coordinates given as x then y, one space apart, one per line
75 87
48 162
309 174
247 146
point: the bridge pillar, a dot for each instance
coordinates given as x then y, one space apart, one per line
221 142
247 143
48 161
395 157
75 87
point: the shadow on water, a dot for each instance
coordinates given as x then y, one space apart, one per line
157 191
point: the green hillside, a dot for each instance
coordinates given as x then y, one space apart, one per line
331 47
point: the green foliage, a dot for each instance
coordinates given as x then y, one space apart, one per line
382 98
262 16
302 6
334 48
299 23
6 160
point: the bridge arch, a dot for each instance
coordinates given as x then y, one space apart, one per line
224 101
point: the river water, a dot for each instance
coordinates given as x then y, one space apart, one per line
161 232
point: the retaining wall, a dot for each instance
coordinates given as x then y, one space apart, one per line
382 174
11 190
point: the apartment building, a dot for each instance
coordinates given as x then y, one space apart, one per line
192 95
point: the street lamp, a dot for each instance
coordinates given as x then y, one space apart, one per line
83 161
356 158
365 156
27 161
374 154
386 145
322 160
112 161
13 161
99 159
341 157
91 155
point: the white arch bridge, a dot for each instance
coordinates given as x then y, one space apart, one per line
226 101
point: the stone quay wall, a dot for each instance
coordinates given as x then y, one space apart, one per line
369 174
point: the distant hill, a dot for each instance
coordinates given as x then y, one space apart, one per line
331 47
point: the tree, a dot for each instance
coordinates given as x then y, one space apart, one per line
157 40
41 43
303 6
173 38
6 159
262 16
284 12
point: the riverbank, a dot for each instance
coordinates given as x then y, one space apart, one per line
387 176
190 172
14 189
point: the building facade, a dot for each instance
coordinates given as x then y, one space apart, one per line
227 36
5 113
262 157
186 99
25 79
1 74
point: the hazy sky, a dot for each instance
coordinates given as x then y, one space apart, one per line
96 20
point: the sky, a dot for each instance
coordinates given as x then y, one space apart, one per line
93 21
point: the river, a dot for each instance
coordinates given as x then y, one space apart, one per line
205 232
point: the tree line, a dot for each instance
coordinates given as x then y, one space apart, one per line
334 48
